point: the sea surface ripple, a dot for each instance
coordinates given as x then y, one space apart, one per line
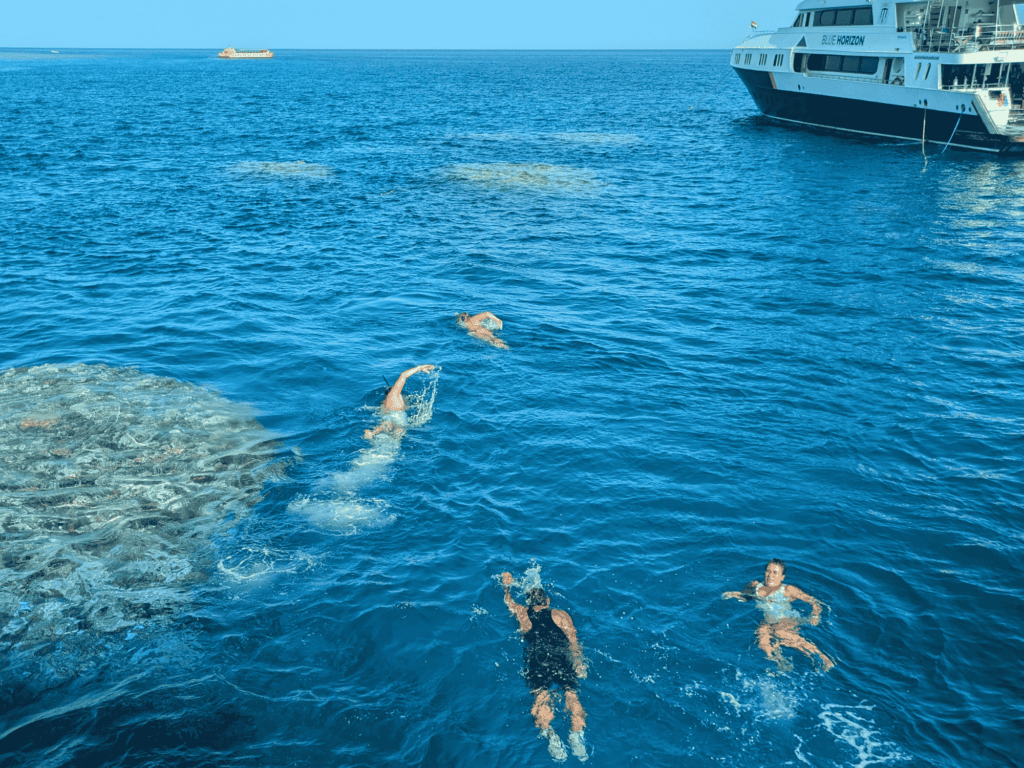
729 341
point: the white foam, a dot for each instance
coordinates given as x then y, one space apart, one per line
341 507
766 698
853 726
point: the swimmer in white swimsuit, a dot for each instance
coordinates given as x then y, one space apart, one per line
781 620
393 417
474 325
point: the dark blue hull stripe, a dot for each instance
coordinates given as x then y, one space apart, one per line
872 118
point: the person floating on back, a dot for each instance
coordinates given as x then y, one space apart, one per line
781 621
474 325
553 658
393 418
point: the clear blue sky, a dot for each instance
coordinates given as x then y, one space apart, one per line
279 24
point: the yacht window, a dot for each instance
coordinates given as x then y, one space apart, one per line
746 60
927 71
841 17
818 62
868 65
778 60
918 73
798 62
737 58
799 18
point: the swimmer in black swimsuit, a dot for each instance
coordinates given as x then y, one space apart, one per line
553 657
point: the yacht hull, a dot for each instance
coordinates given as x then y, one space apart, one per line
872 118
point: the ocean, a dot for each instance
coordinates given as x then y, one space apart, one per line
728 341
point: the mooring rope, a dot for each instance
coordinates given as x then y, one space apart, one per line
709 90
924 126
953 133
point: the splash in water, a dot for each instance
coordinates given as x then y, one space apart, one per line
341 507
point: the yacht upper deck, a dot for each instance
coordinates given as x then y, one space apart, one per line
936 26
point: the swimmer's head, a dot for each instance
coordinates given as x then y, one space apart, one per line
537 597
774 573
462 317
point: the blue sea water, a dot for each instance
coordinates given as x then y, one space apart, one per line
728 341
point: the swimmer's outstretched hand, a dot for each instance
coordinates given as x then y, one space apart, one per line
737 595
506 579
581 669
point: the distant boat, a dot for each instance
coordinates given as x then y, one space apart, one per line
54 51
243 53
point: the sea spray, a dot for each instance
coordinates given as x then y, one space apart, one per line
340 505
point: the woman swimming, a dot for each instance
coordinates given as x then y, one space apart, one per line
781 620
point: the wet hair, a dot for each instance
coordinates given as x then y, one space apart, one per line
776 561
536 596
463 316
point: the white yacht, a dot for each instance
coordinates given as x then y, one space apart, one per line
949 72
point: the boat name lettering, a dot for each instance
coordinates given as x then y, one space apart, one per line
842 39
929 58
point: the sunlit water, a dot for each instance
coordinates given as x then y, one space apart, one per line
728 342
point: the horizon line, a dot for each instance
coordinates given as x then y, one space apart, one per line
208 48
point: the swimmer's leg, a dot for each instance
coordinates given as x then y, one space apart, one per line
384 426
485 335
575 710
541 710
792 639
764 642
766 634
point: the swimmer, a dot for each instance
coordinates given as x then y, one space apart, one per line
553 657
393 408
781 621
475 327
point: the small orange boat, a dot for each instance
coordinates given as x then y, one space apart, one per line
243 53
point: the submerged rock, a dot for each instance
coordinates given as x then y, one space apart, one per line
113 484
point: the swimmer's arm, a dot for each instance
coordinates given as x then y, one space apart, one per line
488 316
515 608
749 591
564 622
795 593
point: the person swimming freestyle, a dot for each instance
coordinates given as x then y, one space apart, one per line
474 325
393 418
781 621
553 658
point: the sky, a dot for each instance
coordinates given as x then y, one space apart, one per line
442 24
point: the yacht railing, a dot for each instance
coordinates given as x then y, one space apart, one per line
977 37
